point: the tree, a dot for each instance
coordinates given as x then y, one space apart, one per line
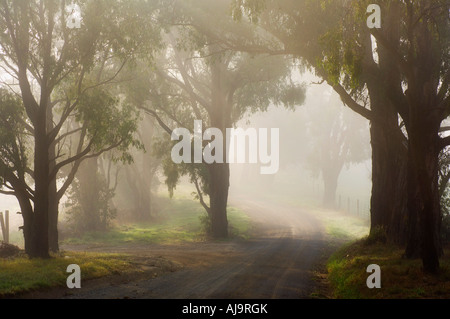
90 198
200 78
336 138
407 83
53 66
141 174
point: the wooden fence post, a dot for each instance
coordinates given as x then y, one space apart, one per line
357 208
7 226
2 222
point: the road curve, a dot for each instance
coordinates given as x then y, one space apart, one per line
278 263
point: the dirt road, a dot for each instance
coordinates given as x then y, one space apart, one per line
279 262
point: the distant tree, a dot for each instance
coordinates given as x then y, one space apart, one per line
141 175
336 138
89 206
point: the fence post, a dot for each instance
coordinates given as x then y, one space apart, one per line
2 222
7 226
357 208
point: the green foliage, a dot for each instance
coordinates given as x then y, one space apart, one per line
205 75
205 222
109 122
13 139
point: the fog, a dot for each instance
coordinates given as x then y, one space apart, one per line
299 180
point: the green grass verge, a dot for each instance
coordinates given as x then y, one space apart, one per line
340 226
21 274
179 221
400 278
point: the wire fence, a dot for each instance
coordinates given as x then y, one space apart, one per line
353 206
358 206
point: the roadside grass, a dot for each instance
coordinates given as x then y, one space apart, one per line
340 226
22 274
178 222
400 278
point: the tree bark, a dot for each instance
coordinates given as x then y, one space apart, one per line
53 212
38 240
219 174
389 186
424 161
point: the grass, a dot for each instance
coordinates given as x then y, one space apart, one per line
340 226
21 274
178 222
400 278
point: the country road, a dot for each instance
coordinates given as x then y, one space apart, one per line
279 262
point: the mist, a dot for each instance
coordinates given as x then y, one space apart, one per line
223 149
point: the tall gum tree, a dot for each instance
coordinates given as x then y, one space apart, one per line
313 31
408 85
51 65
201 78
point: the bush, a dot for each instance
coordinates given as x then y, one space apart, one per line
205 221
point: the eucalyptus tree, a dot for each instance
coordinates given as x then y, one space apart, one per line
200 78
337 138
406 83
59 64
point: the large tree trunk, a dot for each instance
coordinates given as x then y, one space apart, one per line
53 212
389 193
219 184
38 245
413 249
219 173
424 158
389 152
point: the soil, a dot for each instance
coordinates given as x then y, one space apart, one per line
284 259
